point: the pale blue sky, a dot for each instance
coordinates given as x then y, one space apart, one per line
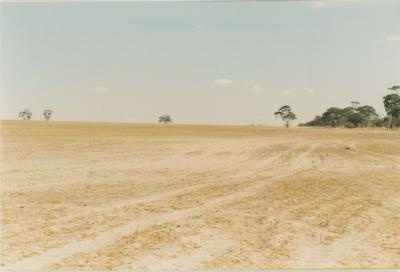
199 62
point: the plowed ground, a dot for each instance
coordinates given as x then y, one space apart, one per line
120 196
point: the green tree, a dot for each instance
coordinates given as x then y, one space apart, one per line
25 114
347 113
392 107
165 119
356 119
333 116
286 114
368 113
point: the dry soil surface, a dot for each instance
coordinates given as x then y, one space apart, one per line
123 196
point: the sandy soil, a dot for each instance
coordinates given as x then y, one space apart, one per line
119 196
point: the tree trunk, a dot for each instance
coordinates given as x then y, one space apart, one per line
391 122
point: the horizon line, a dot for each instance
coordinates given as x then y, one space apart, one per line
139 123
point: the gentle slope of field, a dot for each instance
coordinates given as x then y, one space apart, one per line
120 196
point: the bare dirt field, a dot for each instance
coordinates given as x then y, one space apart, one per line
122 196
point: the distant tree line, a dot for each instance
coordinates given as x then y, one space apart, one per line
362 116
47 114
348 117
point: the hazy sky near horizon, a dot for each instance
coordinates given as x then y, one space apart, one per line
214 62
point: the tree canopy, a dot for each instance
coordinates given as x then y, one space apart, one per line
25 114
164 119
345 117
286 114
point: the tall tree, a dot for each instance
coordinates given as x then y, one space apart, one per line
25 114
392 107
286 114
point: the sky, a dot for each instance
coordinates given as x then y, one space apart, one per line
199 62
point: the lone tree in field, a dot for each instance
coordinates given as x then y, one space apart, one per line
392 106
47 114
25 114
165 119
286 114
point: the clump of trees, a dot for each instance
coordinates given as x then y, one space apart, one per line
349 117
285 113
362 116
165 119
